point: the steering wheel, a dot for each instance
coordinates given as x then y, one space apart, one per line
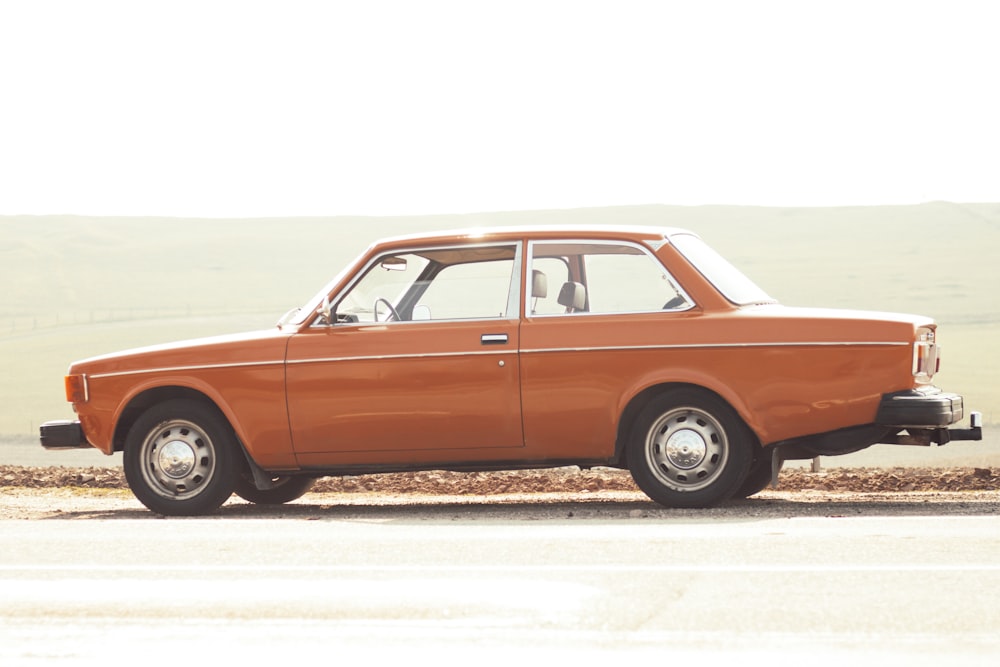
675 302
392 311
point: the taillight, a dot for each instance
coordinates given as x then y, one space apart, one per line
926 356
76 389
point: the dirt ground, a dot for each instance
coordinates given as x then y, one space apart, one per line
82 493
557 480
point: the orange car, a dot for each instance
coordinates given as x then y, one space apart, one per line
639 348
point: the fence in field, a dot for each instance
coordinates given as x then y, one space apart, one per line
46 320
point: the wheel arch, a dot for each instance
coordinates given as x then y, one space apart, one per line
641 399
145 399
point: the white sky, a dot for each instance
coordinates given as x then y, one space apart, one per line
210 108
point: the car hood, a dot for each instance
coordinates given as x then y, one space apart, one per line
258 347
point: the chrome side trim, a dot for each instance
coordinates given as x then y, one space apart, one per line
471 353
609 348
172 369
713 346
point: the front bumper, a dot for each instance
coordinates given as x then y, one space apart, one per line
62 434
926 413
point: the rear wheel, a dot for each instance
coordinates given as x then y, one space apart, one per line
180 458
688 448
285 489
759 477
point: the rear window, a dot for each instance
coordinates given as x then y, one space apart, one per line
730 281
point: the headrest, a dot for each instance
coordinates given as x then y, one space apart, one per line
573 295
539 284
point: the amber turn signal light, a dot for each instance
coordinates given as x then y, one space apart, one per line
76 388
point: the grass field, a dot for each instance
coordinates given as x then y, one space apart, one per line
75 287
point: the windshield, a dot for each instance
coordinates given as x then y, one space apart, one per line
297 316
726 278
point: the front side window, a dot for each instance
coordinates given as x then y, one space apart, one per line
468 282
596 277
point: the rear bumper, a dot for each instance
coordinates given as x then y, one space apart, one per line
62 434
926 407
926 413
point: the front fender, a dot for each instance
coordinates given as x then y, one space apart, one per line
256 417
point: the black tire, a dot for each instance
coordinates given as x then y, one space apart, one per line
758 478
689 448
180 458
286 489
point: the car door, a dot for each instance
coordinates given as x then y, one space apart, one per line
421 365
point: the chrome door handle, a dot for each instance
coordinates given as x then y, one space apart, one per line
494 339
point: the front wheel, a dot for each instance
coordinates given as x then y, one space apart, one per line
180 458
688 448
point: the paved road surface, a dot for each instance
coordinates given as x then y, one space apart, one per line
916 590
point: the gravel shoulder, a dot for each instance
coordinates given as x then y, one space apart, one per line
82 493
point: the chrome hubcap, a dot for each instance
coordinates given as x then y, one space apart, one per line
178 459
687 449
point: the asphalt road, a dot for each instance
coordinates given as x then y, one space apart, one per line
436 587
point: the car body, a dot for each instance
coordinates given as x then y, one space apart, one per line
509 348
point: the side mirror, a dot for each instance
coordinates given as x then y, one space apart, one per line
287 317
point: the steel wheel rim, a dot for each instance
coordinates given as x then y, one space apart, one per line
177 459
687 449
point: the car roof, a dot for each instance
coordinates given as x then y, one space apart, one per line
517 232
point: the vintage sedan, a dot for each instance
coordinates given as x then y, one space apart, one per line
638 348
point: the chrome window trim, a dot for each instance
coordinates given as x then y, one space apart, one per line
587 313
656 244
385 357
513 296
638 246
394 323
